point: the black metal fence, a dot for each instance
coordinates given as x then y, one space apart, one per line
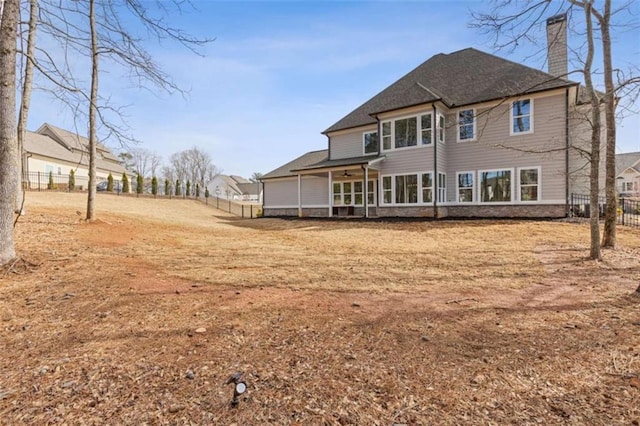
43 181
628 209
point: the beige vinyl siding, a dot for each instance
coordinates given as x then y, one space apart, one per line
284 192
349 144
408 160
281 192
315 191
494 148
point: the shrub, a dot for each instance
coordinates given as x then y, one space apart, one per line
139 184
167 187
206 193
50 184
178 192
72 180
110 182
154 186
125 183
197 190
188 193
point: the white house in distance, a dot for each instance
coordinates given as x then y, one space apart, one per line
628 174
464 134
51 149
237 188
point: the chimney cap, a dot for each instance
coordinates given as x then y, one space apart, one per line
557 19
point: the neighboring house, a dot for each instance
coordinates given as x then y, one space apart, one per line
232 187
628 174
465 134
53 150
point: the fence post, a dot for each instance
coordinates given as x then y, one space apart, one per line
622 206
38 181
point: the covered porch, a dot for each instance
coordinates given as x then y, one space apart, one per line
352 185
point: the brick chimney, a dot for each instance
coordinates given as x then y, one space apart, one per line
557 45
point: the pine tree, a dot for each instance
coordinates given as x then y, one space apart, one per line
125 183
178 192
72 180
154 186
50 185
110 182
188 188
167 187
139 184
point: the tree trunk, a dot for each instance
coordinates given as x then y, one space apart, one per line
595 140
610 217
92 112
8 137
25 102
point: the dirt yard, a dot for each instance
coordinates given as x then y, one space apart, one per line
141 316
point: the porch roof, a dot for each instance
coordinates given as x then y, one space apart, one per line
327 165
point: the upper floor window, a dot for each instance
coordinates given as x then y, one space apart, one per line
426 125
441 128
371 143
521 116
407 132
466 125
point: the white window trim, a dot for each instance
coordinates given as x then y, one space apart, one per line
419 144
364 140
539 169
418 175
475 137
444 127
531 103
497 203
473 187
353 193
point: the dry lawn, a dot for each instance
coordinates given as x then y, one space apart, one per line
332 322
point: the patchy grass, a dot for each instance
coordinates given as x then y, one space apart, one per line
332 322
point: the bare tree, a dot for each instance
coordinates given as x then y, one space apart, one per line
25 100
93 109
255 177
8 130
194 165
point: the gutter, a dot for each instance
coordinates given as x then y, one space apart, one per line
434 137
566 151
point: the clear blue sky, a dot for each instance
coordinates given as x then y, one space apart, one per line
279 73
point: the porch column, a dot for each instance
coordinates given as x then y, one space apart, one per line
330 195
365 199
299 195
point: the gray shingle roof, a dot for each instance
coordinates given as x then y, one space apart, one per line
304 160
460 78
353 161
629 159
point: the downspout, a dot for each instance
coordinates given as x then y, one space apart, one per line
263 187
365 190
376 184
566 152
299 195
434 181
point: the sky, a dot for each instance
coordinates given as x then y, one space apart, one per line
281 72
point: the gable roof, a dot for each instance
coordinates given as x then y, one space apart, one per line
74 141
304 160
457 79
627 160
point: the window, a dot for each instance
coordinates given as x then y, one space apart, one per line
337 193
357 193
59 170
386 135
628 186
406 189
371 193
346 188
521 117
495 186
529 179
426 127
427 188
386 189
441 128
465 187
406 132
466 125
442 187
370 140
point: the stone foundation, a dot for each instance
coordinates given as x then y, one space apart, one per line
518 211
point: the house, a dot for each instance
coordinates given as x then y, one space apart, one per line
232 187
52 150
465 134
628 174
